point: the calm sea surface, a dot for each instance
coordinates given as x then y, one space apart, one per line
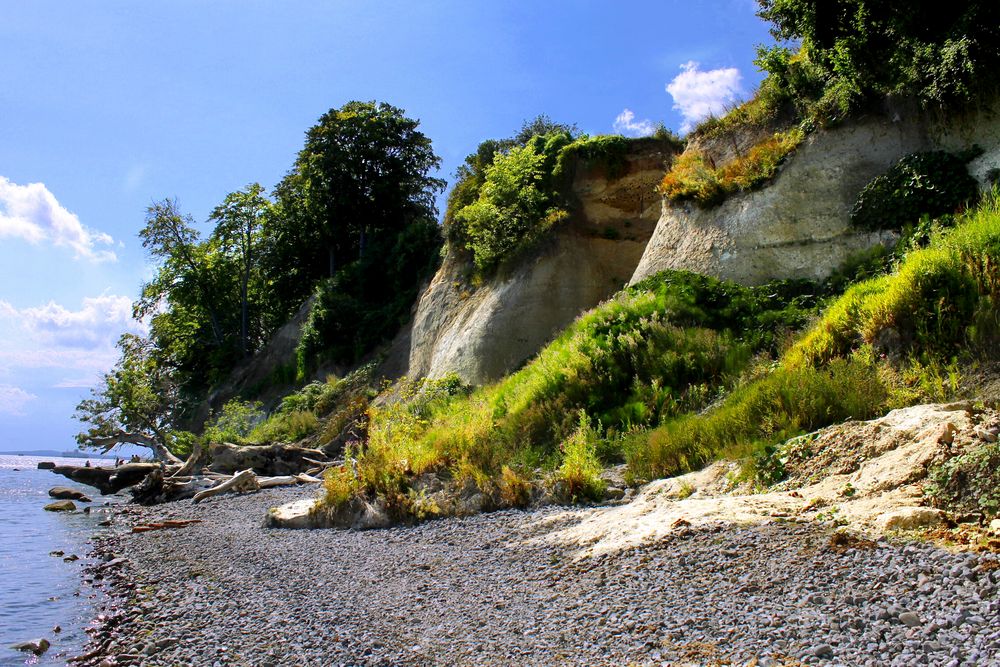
39 591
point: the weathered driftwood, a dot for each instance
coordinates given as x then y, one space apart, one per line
194 462
270 460
244 480
108 480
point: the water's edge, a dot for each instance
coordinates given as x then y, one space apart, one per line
45 557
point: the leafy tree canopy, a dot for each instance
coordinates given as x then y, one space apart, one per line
939 52
365 171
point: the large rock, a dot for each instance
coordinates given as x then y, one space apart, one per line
910 518
356 514
481 333
66 493
36 646
61 506
799 226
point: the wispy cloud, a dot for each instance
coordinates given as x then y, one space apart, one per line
134 177
626 124
13 399
698 95
32 213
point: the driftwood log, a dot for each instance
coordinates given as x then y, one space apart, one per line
260 467
272 460
108 480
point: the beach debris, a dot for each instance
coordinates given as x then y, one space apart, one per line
204 474
60 506
36 646
156 525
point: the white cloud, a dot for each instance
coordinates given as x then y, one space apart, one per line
80 341
698 95
32 213
626 124
13 399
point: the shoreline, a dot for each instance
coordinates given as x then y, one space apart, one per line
502 588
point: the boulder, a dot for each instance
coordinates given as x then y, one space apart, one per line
36 646
66 493
909 518
61 506
46 465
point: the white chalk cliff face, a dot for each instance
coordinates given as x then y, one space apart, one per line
799 226
484 333
796 227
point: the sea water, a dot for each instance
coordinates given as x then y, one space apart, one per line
39 591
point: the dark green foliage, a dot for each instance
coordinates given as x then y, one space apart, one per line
969 482
943 54
362 177
369 299
920 184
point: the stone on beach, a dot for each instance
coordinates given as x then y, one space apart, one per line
61 506
66 493
36 646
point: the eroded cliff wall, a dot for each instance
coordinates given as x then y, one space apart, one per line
485 332
799 226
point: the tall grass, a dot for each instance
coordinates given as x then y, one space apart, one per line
665 347
693 177
939 304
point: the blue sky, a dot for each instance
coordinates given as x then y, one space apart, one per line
108 105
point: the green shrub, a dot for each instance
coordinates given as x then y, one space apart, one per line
969 482
511 193
235 422
920 184
580 469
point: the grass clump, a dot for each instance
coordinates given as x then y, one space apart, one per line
580 470
693 177
772 409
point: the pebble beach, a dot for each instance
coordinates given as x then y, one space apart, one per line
501 589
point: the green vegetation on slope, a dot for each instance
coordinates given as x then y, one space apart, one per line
510 193
662 348
635 377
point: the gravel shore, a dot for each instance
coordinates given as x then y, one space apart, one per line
497 589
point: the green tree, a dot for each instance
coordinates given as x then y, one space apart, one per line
364 172
942 53
135 404
239 221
